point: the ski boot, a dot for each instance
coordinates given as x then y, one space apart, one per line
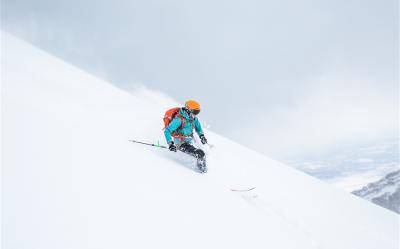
201 165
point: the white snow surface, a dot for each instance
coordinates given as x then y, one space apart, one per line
71 178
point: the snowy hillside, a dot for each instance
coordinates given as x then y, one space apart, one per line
71 178
385 192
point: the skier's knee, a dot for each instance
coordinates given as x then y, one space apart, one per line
184 147
200 153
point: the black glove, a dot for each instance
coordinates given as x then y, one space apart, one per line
203 139
172 146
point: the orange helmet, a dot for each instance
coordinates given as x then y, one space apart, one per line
193 106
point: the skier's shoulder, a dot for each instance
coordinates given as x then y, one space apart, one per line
182 115
180 112
179 117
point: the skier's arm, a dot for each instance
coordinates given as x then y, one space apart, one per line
197 127
175 123
199 131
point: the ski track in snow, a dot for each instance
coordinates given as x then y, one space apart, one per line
258 202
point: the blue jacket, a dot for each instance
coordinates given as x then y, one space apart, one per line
186 130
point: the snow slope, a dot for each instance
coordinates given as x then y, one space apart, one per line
71 179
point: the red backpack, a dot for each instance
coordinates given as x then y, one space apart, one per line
171 114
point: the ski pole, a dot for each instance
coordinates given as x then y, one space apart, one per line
155 145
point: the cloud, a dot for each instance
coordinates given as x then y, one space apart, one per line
335 112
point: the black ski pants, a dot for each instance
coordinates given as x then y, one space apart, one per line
191 150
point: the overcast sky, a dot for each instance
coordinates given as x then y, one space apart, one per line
286 77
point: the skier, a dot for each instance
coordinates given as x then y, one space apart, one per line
179 125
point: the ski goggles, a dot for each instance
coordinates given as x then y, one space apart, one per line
194 112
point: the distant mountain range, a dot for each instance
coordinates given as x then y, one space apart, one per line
385 192
371 171
352 168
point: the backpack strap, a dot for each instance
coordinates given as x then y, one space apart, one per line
182 119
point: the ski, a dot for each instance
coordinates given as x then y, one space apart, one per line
243 190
